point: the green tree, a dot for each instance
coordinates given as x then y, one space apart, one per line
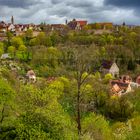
83 62
119 108
22 49
131 65
52 56
33 42
48 42
108 77
134 132
43 40
134 135
29 34
1 48
97 26
96 127
107 39
12 50
55 39
16 42
7 112
42 117
9 36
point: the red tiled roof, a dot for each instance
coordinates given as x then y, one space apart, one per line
117 86
82 22
119 83
73 24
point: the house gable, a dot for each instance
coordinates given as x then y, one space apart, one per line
114 69
109 67
11 27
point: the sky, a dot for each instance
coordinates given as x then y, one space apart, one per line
57 11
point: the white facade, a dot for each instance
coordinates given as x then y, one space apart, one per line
11 28
114 70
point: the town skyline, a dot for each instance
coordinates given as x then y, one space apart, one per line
7 21
57 11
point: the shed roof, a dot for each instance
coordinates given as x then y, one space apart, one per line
107 64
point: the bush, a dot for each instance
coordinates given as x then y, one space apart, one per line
96 127
119 108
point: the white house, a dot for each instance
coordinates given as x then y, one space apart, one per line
11 27
110 67
114 70
31 76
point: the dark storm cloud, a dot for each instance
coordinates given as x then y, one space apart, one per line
123 3
18 3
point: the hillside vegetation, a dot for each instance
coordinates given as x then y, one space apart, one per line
70 99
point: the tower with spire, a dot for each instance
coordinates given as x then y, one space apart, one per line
12 19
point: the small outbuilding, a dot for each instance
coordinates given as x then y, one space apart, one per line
110 67
31 76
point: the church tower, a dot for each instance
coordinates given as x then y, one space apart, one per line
12 20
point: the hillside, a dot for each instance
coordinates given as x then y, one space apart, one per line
70 85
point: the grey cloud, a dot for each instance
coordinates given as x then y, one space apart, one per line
57 11
18 3
80 4
123 3
56 1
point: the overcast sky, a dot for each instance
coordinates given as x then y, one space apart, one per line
57 11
